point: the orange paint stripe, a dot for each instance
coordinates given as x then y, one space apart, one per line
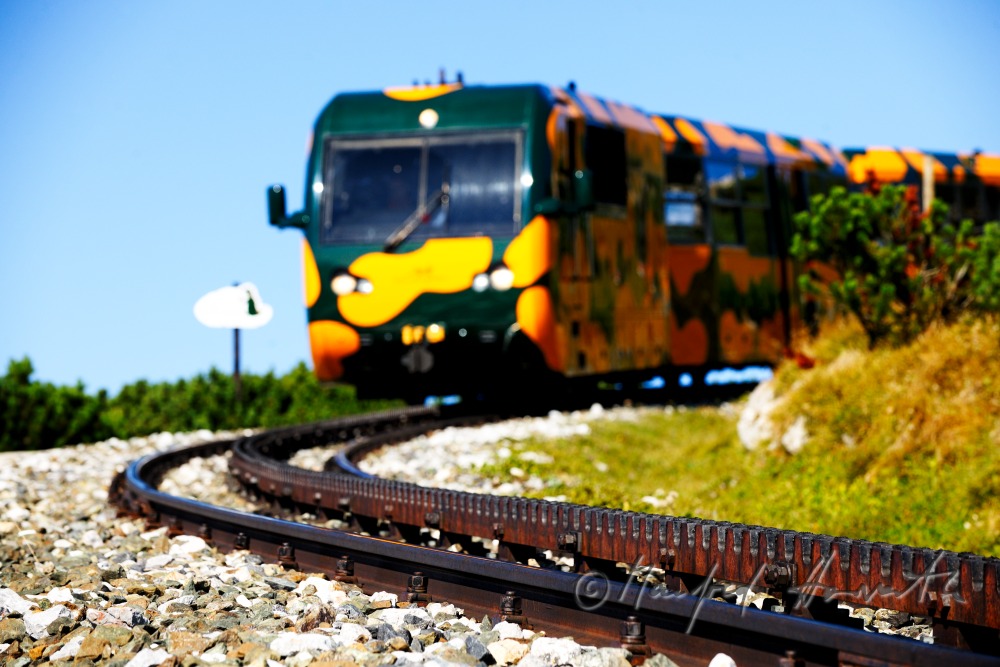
886 164
819 150
691 134
330 342
916 160
529 255
666 132
728 139
785 151
420 93
310 275
988 168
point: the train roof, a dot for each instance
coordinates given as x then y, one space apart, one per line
906 165
681 135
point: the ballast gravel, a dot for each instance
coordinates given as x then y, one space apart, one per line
80 586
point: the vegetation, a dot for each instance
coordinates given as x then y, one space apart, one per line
897 270
38 415
902 448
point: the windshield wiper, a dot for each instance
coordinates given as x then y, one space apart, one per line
423 214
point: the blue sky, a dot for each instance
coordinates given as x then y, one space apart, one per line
137 138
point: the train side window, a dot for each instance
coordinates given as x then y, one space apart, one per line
682 209
753 184
726 225
756 232
992 204
682 213
948 194
722 179
969 203
605 157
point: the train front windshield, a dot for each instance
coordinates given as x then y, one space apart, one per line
383 191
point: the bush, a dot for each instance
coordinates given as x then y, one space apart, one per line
35 415
898 270
39 415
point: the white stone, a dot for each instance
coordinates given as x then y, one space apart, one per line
127 615
148 657
158 562
92 539
326 590
290 643
68 650
795 438
35 623
12 602
507 651
396 617
555 651
184 545
722 660
243 601
57 595
382 596
509 630
352 632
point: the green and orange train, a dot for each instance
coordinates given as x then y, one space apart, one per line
511 240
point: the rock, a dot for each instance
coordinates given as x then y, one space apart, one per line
12 603
67 651
12 629
507 651
895 619
94 648
148 658
291 643
554 651
382 600
185 545
475 648
352 632
510 631
722 660
128 615
37 623
604 657
181 643
398 644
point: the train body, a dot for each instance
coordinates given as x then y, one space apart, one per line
512 240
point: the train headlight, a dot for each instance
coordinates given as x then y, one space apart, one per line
435 333
502 279
364 286
343 284
481 282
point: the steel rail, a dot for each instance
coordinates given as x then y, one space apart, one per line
688 628
961 592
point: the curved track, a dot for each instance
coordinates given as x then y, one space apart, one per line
474 550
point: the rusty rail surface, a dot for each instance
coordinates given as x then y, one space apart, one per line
599 600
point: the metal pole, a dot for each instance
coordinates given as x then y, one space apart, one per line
236 366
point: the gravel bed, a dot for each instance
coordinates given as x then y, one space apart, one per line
80 586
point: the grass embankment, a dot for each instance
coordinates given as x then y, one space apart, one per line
903 446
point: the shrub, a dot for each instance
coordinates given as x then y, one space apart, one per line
35 415
898 270
39 415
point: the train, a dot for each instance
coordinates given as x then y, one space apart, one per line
513 241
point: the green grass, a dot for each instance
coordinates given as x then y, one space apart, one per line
904 447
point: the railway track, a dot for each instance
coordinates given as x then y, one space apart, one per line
648 583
